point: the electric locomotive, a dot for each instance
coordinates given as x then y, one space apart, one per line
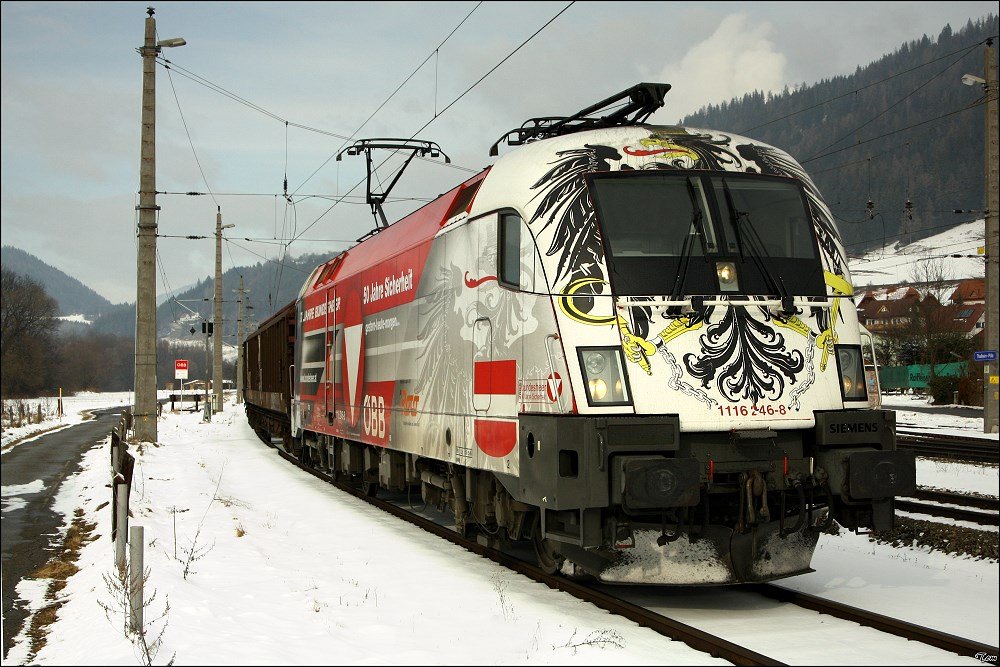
633 345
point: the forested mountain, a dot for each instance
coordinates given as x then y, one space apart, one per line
269 286
902 128
72 296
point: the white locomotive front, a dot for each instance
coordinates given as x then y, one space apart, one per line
633 344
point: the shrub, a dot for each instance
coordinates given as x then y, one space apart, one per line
942 389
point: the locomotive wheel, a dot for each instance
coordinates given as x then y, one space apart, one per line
370 489
548 557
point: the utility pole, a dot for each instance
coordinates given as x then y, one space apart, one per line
217 358
991 370
145 288
239 343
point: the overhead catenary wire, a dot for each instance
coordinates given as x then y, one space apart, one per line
861 88
393 94
897 131
450 105
190 140
898 102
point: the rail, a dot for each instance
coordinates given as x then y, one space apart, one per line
960 448
693 637
887 624
927 501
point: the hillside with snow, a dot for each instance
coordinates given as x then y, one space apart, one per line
951 255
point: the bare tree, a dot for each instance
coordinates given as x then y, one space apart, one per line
930 275
27 318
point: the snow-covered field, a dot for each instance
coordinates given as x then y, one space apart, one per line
897 263
75 410
288 570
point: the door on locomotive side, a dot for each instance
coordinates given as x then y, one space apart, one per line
330 380
496 352
871 368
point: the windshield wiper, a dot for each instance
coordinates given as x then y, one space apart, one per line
696 229
755 244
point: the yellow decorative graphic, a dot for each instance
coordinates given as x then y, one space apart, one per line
829 338
793 323
661 145
838 284
637 349
677 327
567 305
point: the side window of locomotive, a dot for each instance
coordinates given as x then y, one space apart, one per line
509 261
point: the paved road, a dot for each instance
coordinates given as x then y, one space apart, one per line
29 523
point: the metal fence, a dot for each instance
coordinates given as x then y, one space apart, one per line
916 376
122 465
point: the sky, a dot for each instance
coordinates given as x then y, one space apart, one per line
282 575
71 90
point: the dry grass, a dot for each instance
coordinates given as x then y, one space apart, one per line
58 570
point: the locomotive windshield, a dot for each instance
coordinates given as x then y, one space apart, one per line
670 232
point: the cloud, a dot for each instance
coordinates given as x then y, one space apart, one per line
737 58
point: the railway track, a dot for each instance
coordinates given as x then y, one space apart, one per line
969 507
695 638
960 448
887 624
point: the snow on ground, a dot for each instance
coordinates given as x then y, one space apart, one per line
954 594
911 415
288 570
78 317
958 477
896 263
75 409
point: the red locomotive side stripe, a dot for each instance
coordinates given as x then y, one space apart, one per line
495 377
496 438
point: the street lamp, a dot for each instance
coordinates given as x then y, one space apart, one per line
145 290
217 357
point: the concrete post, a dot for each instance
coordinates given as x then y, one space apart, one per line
217 356
991 370
145 290
121 527
136 569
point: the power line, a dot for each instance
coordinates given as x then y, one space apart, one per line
899 101
391 95
188 133
858 90
196 78
495 67
453 102
902 129
194 193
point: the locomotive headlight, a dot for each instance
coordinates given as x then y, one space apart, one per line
595 362
728 279
604 375
598 389
852 372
